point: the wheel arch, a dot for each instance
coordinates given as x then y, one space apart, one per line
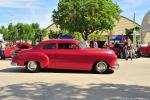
40 58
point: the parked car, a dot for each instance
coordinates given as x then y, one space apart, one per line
118 49
12 49
144 49
66 54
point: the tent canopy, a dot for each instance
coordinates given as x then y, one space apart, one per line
65 36
119 37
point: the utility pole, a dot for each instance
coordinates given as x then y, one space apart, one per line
134 31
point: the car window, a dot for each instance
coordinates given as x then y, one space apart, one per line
50 46
82 45
66 46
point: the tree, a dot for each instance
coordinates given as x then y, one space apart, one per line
12 32
5 32
86 16
129 32
97 37
23 32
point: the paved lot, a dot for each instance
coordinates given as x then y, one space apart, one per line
130 82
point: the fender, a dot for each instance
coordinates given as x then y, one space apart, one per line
34 56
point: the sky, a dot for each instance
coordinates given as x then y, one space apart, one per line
40 11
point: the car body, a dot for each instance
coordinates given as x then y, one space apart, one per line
65 54
12 49
144 49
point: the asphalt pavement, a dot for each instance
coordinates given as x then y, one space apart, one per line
130 82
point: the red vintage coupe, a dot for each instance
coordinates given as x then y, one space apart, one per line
12 49
145 49
66 54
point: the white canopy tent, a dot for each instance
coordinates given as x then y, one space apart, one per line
145 29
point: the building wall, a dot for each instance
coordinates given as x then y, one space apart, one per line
119 29
147 37
123 24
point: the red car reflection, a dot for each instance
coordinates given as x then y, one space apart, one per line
66 54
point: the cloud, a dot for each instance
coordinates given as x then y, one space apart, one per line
14 3
132 4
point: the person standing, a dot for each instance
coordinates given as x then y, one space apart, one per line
95 44
130 51
125 51
2 50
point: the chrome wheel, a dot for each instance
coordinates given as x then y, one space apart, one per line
101 67
32 66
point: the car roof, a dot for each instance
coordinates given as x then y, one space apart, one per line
57 41
62 40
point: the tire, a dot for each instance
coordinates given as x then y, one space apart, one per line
32 66
100 67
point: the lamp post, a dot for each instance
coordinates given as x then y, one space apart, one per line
134 32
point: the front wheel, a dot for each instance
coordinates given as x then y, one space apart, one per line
32 66
100 67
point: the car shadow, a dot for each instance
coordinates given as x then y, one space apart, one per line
48 91
23 70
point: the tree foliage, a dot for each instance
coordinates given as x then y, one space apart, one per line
86 16
54 35
23 32
97 37
129 32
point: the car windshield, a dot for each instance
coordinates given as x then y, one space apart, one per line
82 45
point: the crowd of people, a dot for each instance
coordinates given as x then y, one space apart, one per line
128 50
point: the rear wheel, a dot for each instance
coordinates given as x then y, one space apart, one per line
32 66
100 67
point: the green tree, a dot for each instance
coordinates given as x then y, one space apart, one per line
86 16
129 32
13 34
5 33
23 32
96 37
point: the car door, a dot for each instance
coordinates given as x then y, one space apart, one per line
148 50
69 56
49 49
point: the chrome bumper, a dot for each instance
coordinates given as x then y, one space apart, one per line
13 63
116 66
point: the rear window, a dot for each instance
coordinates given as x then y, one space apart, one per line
50 46
66 46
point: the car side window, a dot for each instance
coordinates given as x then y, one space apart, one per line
66 46
50 46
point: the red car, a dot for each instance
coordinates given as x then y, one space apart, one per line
15 48
66 54
145 50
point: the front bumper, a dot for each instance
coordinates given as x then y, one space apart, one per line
13 63
116 66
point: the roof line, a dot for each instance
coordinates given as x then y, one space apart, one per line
131 20
120 16
49 25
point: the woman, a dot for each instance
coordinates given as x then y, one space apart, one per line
130 51
125 51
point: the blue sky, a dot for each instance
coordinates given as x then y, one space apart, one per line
28 11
